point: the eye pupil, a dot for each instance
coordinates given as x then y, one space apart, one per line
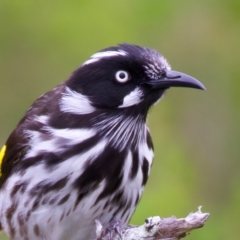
122 75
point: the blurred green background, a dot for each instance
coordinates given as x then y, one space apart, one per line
196 134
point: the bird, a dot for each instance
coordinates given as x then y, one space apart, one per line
83 150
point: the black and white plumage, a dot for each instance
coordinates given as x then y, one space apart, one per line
83 150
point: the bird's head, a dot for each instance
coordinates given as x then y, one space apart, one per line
124 76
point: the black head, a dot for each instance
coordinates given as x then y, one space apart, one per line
126 75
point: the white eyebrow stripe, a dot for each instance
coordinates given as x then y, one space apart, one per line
97 56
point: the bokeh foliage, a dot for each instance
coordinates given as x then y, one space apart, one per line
196 134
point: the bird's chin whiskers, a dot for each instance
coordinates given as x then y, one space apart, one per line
155 103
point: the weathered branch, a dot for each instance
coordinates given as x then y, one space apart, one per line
156 228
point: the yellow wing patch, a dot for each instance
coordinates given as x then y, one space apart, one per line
2 153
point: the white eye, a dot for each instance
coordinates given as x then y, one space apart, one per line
122 76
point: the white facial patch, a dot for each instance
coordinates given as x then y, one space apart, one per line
132 98
100 55
154 69
76 103
164 63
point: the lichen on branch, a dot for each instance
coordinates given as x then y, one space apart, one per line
155 228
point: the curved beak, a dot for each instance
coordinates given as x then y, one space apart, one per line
176 79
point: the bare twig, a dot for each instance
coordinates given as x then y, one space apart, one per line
156 228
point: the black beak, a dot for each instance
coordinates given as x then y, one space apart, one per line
176 79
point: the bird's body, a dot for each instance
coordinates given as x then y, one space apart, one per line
61 196
83 150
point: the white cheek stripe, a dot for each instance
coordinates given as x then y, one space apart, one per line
97 56
132 98
76 103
